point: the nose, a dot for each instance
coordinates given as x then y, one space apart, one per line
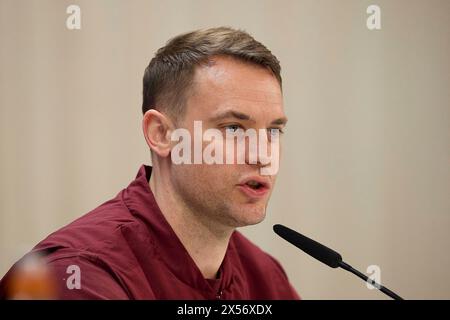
259 151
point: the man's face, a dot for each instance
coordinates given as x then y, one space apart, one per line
229 94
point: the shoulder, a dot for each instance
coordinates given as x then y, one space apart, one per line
93 232
100 238
92 247
65 274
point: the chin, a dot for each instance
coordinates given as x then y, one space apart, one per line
250 216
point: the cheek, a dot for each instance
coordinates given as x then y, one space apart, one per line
217 176
205 178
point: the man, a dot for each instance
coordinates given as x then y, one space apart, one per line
171 234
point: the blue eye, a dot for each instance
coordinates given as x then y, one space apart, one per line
232 128
274 131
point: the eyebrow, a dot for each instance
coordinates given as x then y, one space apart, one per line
243 116
232 114
280 121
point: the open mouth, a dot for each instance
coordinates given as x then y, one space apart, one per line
255 185
255 188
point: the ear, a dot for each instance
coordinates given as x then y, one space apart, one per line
157 129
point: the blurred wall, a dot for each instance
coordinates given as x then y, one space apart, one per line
365 167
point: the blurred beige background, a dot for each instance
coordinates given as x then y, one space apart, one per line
367 149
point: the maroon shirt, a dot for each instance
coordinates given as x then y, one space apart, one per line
126 249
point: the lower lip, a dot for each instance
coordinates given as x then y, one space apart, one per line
254 193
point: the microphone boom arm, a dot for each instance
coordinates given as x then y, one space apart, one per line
361 275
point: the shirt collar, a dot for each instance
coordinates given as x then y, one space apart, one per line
141 202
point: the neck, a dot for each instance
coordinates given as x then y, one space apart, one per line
205 241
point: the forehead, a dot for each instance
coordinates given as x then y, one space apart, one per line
232 84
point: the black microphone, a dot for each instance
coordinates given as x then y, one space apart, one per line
326 255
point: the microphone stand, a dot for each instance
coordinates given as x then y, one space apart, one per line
361 275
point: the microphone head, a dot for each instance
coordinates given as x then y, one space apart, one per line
311 247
